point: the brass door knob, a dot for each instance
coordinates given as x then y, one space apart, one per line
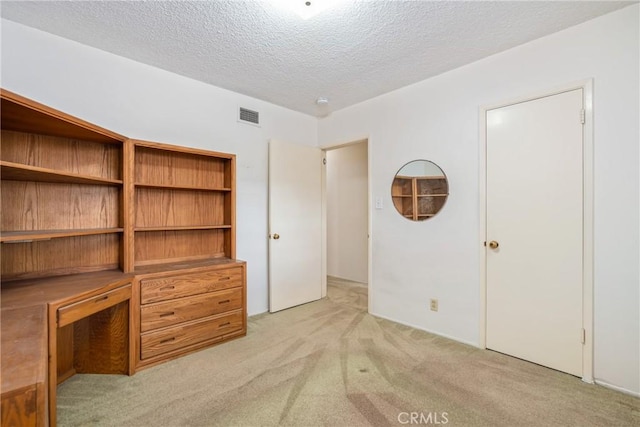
493 244
276 236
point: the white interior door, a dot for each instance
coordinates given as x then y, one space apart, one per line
295 225
535 215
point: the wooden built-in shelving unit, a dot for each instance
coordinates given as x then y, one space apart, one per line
62 193
92 224
184 204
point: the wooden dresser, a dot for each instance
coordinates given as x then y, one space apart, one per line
117 254
192 306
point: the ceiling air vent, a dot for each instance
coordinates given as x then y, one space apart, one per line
249 116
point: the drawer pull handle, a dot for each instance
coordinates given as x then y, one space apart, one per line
224 278
226 301
168 340
102 298
222 325
171 313
167 288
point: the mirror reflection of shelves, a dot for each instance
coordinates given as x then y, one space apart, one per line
419 197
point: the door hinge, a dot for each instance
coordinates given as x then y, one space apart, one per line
583 336
582 116
324 161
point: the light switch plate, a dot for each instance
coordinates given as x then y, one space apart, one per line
378 202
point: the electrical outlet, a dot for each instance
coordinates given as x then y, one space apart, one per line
434 305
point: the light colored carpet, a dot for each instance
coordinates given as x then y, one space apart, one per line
329 363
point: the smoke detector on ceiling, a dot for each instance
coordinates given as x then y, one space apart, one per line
323 107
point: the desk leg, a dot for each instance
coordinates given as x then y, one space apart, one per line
53 362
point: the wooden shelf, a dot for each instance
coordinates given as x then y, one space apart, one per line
181 187
24 115
432 195
191 265
182 150
18 172
181 228
402 195
35 235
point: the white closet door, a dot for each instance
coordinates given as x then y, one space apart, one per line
534 214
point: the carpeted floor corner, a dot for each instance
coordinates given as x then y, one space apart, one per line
329 363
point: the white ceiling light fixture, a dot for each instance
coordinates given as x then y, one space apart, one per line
306 8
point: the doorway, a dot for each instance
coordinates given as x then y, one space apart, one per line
537 222
347 214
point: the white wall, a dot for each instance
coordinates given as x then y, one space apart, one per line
437 119
147 103
347 212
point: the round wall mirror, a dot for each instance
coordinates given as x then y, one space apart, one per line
419 190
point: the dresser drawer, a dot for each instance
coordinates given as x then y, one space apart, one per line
177 337
79 310
154 290
162 314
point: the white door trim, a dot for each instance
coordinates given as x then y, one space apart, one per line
335 146
587 200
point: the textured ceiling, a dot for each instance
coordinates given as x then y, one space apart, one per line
358 50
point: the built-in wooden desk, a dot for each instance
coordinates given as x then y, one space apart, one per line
84 321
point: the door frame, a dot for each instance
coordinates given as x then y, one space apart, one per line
331 147
587 206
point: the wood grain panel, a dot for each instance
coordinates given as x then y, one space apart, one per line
169 313
28 236
157 208
60 256
85 308
174 168
51 206
101 341
188 284
63 154
17 172
65 369
165 246
20 407
127 209
165 340
23 365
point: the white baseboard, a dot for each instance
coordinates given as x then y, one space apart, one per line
617 388
426 330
